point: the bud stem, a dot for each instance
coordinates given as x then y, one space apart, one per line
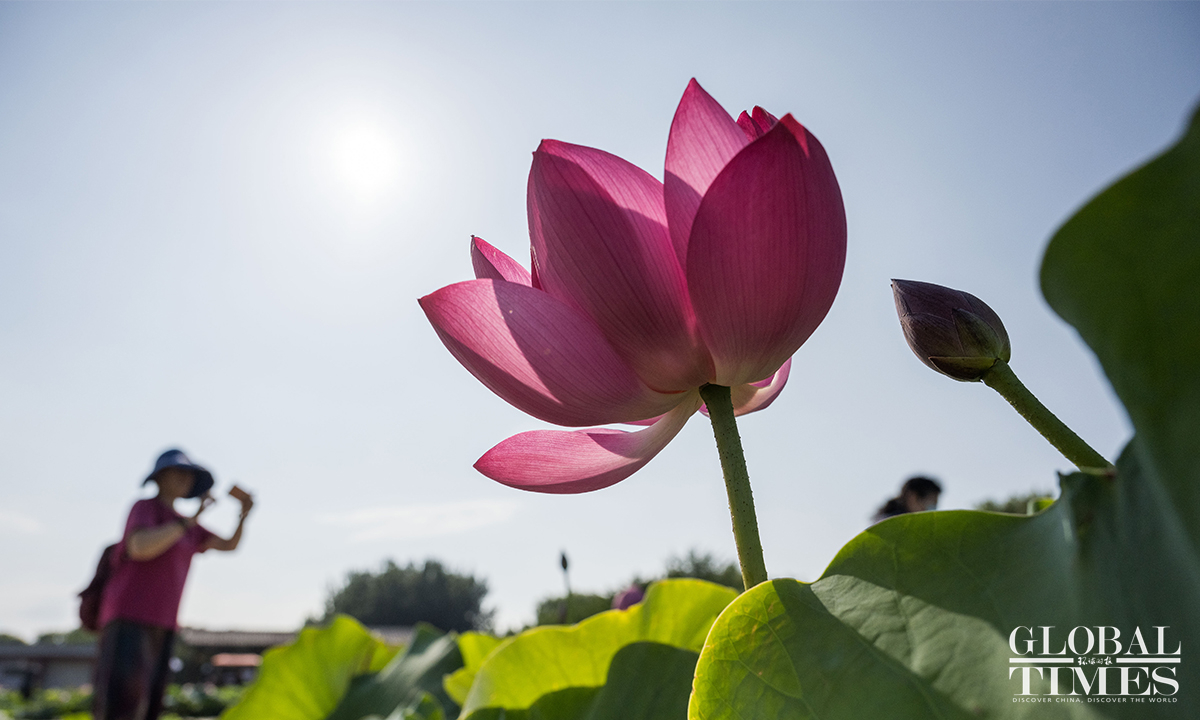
1003 380
737 484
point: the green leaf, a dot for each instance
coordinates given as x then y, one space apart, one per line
907 613
912 619
475 647
646 681
426 708
413 677
305 680
1125 271
555 671
627 695
343 673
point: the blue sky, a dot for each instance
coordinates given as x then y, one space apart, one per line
215 220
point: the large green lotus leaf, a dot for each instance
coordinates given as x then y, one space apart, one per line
912 618
546 661
646 681
566 704
475 647
627 695
306 679
1125 271
412 679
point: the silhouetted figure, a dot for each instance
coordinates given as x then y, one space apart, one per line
918 494
27 685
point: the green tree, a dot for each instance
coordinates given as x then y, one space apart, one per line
581 605
6 639
1025 504
702 566
78 636
404 596
705 567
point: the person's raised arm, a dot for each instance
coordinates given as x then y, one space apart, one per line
149 543
231 543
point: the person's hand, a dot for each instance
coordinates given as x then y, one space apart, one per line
205 501
247 501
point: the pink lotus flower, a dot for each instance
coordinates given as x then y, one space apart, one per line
642 292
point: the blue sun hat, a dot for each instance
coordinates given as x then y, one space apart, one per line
203 479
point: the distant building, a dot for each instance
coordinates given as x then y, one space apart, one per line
46 665
225 657
232 657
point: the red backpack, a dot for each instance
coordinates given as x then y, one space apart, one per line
90 598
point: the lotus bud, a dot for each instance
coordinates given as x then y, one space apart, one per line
951 331
628 597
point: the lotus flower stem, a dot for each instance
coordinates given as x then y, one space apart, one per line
737 484
1003 380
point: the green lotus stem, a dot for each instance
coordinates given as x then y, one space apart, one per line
737 484
1003 380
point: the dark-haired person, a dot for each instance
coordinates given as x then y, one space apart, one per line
918 494
140 604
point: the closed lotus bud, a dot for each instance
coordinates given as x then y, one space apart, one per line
951 331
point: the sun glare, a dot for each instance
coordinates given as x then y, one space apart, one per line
365 161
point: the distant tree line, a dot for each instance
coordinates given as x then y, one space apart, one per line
703 566
78 636
448 600
404 596
1023 504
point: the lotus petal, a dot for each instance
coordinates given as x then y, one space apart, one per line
539 354
557 461
647 421
490 263
703 139
757 124
600 244
766 253
752 397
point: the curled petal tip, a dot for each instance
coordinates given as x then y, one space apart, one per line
756 123
755 396
702 141
568 462
764 119
492 264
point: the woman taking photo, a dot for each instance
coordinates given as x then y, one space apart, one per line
140 602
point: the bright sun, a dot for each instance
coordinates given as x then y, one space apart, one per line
365 160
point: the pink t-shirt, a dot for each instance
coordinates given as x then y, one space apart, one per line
148 591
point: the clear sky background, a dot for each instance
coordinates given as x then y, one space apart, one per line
215 220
